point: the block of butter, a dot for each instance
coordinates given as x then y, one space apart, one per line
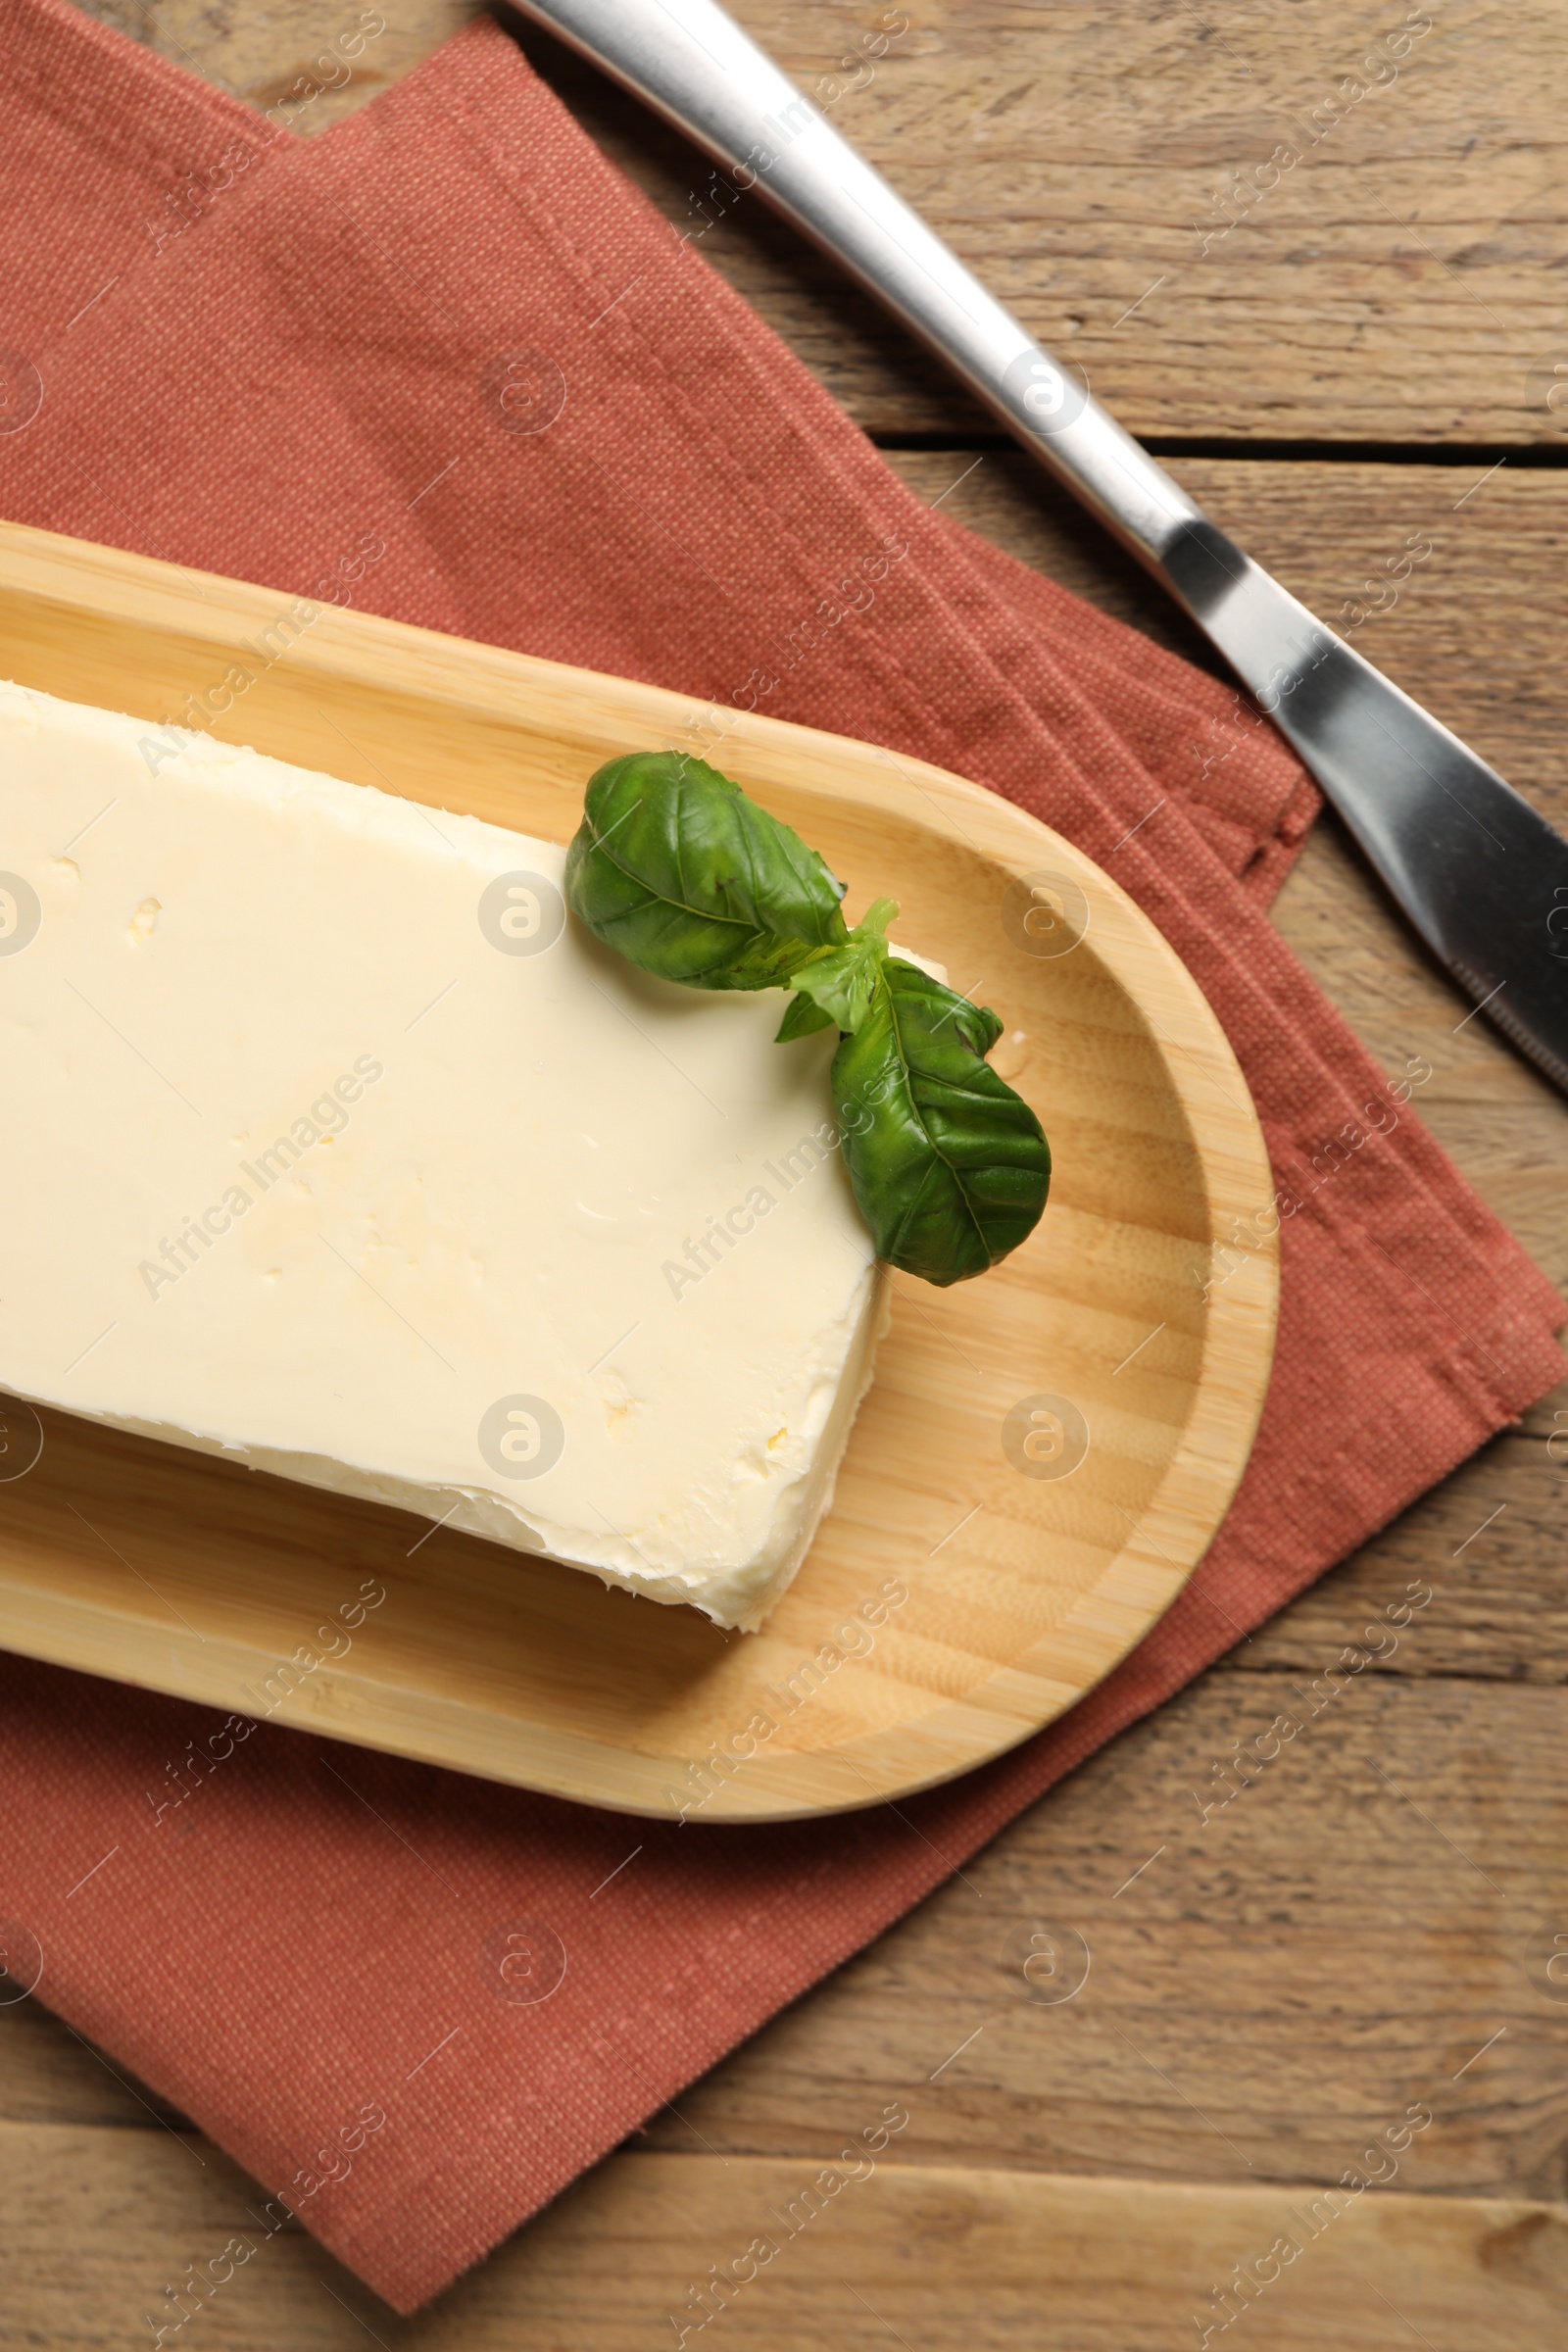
339 1148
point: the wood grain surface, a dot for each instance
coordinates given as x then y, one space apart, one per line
1360 1930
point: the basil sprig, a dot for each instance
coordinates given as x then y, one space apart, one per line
689 879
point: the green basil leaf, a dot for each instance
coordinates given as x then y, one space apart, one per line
683 875
802 1019
948 1166
841 980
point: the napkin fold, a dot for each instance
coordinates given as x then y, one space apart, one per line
449 329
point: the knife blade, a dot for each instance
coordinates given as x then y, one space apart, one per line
1480 873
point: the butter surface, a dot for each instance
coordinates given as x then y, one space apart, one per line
339 1148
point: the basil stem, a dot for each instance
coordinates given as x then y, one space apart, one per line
949 1166
836 984
675 868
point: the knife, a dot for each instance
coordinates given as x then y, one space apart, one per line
1481 874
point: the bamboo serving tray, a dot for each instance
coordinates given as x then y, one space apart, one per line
1045 1453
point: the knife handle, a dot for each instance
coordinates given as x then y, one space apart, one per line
694 64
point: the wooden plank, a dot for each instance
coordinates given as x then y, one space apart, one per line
935 2255
1401 281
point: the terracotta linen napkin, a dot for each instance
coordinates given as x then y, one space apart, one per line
450 329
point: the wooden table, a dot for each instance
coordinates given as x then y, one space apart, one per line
1365 353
